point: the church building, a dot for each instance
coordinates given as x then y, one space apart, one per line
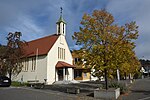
47 59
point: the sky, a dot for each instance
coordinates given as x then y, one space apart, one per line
37 18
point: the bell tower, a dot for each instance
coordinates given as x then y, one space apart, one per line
61 24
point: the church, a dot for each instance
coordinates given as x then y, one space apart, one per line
47 59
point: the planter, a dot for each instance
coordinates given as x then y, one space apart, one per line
110 94
73 90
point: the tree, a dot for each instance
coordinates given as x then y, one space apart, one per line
12 54
105 45
3 68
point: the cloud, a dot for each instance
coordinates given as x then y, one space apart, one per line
17 16
28 28
37 18
134 10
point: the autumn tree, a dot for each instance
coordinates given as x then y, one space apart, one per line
12 54
105 45
3 68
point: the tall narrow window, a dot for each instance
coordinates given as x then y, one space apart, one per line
61 53
27 64
33 63
24 65
63 28
64 54
58 53
59 28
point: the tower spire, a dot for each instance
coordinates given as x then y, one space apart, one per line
61 16
61 24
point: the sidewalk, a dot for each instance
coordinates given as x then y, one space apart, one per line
140 90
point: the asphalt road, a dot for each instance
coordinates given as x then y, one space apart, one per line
140 90
14 93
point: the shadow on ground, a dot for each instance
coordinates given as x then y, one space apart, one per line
141 91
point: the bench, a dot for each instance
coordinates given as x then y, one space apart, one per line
73 90
36 84
33 81
39 85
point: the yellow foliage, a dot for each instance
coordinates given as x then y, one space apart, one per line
106 45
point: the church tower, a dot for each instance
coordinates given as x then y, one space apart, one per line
61 25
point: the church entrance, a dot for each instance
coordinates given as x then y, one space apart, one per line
64 71
63 74
60 74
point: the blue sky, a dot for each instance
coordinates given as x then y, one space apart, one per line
37 18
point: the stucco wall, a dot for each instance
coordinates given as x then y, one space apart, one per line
53 59
46 64
38 74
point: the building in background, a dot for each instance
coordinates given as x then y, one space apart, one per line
82 72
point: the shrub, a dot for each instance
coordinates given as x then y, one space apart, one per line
137 75
123 87
16 84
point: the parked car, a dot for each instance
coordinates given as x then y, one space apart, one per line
5 81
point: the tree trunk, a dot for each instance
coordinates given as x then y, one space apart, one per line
125 75
118 75
106 80
10 74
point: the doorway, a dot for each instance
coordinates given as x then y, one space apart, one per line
60 74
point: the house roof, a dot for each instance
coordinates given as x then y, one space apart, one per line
40 46
61 64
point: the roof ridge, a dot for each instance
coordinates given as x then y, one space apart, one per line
43 44
43 37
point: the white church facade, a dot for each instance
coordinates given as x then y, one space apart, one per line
47 59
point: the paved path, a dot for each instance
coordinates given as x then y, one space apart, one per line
13 93
140 90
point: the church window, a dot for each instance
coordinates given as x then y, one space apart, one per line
59 28
64 54
33 63
63 28
58 53
61 53
25 64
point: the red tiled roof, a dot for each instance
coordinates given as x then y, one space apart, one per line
40 46
61 64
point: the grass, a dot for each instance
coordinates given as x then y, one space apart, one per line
18 84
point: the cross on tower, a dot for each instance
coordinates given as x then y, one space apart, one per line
61 10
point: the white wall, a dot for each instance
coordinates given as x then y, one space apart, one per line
38 74
53 59
46 64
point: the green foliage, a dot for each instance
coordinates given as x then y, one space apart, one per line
18 84
123 87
